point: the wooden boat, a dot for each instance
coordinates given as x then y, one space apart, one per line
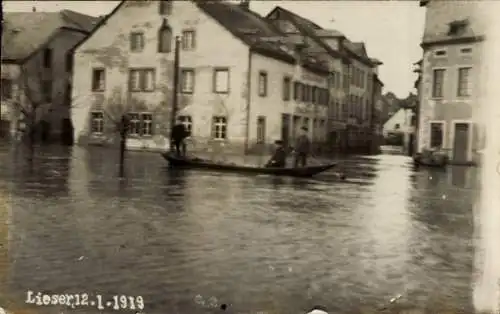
198 163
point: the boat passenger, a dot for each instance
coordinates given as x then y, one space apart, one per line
302 148
278 160
179 135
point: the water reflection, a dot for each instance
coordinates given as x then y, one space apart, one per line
256 242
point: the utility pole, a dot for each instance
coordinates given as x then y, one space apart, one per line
175 92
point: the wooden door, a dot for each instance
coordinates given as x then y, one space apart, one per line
461 142
285 128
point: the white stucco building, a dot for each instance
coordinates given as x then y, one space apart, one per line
239 86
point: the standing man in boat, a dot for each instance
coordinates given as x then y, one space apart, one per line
179 134
278 160
302 148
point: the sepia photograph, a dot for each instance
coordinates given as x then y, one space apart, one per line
250 157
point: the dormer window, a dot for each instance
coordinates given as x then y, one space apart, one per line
165 7
457 27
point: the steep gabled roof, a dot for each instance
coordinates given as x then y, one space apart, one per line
246 25
254 30
306 27
318 34
26 32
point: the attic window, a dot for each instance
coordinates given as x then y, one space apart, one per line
457 27
440 53
466 50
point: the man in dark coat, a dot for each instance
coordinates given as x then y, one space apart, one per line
302 148
179 134
278 160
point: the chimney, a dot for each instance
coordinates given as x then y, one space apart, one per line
245 4
33 9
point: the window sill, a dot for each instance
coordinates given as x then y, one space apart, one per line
143 91
98 91
187 92
222 93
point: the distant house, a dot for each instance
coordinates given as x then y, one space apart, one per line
238 84
36 67
400 122
351 77
449 83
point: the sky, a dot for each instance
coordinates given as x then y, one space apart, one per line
392 30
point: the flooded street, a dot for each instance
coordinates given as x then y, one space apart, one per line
188 241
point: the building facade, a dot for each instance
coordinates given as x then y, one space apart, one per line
228 95
36 70
351 71
449 84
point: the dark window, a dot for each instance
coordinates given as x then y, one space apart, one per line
69 62
165 7
262 84
305 93
47 90
6 89
436 134
296 91
164 39
98 80
287 82
136 41
47 58
315 95
219 127
440 53
466 50
261 129
437 83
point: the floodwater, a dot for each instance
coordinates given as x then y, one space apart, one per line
189 241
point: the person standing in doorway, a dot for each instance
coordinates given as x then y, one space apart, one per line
302 148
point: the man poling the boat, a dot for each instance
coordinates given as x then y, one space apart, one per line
278 160
179 134
302 148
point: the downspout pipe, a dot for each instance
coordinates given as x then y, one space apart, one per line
248 100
